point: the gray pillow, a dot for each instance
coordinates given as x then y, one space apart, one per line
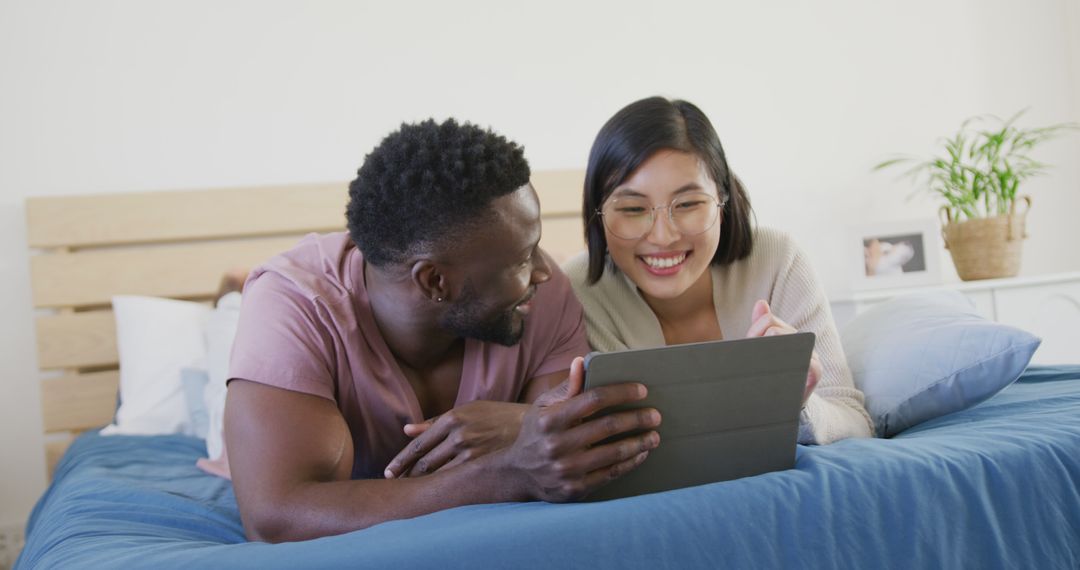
193 381
921 356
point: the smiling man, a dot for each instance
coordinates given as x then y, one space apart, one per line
424 360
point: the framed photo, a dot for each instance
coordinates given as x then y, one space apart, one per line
896 254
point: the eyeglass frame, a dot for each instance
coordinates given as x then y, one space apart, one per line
652 214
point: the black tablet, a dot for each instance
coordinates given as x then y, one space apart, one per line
730 408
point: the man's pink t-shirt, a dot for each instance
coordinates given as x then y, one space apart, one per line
306 325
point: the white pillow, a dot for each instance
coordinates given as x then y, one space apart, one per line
155 338
220 330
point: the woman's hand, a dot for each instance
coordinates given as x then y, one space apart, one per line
765 323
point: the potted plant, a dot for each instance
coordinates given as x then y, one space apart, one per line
978 176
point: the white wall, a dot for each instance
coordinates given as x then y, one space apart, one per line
807 96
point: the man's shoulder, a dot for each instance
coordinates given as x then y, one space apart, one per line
318 266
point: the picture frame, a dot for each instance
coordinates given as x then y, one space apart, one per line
895 254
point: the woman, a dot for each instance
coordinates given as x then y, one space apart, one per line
672 258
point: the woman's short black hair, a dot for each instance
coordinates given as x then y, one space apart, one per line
426 180
636 133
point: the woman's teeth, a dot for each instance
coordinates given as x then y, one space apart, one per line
663 262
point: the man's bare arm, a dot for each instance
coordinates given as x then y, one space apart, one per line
466 432
535 387
291 456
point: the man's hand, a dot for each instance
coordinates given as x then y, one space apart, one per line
463 433
558 455
765 323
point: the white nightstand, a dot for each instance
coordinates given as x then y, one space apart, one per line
1046 305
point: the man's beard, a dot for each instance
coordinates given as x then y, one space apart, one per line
467 319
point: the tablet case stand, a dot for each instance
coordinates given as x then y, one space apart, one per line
730 408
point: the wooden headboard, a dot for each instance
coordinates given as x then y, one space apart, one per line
85 249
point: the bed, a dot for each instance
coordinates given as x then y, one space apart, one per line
990 486
945 494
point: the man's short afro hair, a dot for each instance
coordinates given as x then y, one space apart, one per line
424 181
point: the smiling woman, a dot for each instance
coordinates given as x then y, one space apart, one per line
673 258
642 243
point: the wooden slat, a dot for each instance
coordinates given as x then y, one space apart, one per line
563 237
79 401
560 191
76 340
163 216
89 339
54 450
147 217
91 278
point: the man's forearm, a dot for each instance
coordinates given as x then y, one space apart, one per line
315 509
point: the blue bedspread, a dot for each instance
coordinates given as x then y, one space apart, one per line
996 486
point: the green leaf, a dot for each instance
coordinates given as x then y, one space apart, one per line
983 163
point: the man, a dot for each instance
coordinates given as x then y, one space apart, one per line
437 316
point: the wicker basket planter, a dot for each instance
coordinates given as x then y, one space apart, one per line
986 248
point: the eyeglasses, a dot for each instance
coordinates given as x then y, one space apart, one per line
632 217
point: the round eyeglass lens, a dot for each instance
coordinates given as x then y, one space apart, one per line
631 217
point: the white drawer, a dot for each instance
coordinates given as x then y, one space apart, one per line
983 301
1050 311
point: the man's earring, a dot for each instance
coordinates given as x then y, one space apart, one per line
438 299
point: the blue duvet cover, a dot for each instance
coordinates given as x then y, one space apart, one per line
996 486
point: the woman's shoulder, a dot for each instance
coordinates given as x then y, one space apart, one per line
772 250
613 290
778 259
577 269
772 241
615 314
